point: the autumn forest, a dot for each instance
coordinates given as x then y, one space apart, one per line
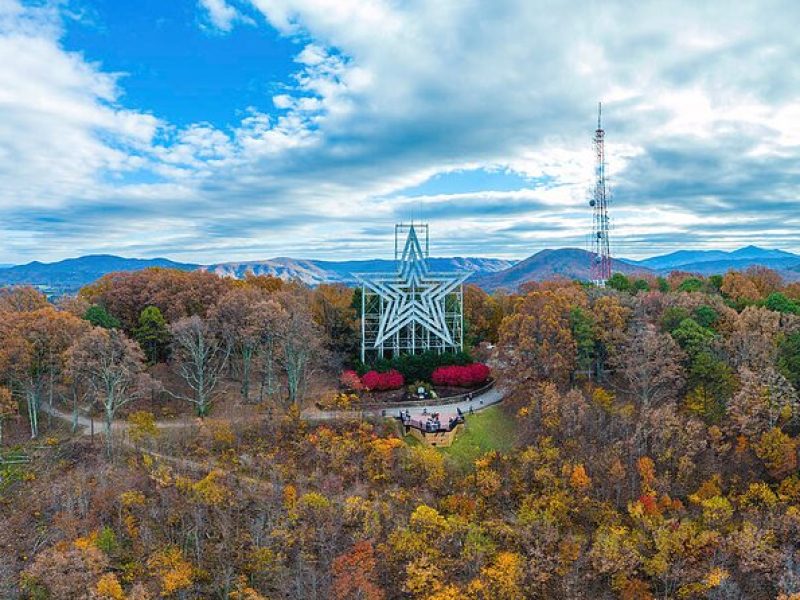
171 434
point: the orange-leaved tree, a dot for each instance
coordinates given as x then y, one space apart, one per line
8 408
32 352
354 574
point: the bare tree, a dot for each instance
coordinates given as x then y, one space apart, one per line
753 341
236 320
200 357
765 400
111 365
269 322
302 345
651 366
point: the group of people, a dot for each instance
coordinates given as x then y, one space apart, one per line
432 422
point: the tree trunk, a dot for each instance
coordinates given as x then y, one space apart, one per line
74 410
201 393
291 384
267 374
109 420
247 358
50 396
33 412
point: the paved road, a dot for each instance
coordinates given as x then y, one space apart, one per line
490 398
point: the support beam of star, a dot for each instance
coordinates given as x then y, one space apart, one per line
413 299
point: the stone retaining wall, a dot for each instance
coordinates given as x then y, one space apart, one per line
432 402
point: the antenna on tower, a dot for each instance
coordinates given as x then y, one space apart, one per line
600 269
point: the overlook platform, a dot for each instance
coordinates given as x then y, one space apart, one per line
435 429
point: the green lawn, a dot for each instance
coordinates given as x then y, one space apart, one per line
491 429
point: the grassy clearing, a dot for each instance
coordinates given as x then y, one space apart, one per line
491 429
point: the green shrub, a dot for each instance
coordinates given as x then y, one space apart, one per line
107 540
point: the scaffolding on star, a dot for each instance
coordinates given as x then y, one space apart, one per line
412 310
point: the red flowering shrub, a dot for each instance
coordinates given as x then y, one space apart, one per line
461 376
350 380
391 380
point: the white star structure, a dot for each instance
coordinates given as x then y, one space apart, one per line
413 295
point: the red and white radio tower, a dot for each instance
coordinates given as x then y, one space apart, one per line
601 250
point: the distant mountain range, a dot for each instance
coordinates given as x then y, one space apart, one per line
71 274
572 263
711 261
314 272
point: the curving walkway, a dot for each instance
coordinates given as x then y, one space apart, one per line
186 463
478 403
85 423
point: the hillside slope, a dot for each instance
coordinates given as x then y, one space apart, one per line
75 272
570 263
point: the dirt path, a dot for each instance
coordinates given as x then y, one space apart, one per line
185 463
85 423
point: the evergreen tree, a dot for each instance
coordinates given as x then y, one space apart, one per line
673 317
152 334
583 332
712 384
780 303
100 317
789 359
693 337
691 284
619 282
706 316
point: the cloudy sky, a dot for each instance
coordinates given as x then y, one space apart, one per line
210 130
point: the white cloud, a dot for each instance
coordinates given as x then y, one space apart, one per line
221 14
701 110
55 111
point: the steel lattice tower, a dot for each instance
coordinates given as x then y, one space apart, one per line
601 249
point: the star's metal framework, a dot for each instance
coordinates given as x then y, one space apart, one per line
412 310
